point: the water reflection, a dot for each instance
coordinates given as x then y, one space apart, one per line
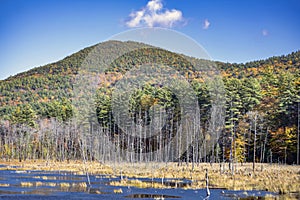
152 196
46 184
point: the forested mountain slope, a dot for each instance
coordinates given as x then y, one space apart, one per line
262 102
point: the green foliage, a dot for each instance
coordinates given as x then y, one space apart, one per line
61 110
270 87
23 115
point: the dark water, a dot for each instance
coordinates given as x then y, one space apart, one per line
57 185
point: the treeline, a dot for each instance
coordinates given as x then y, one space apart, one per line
261 111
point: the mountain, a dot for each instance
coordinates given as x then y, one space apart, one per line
264 93
42 85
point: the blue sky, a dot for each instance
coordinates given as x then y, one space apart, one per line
34 33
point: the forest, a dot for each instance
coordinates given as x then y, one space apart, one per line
261 112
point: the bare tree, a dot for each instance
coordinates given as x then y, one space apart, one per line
253 115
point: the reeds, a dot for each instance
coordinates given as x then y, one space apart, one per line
274 178
26 184
118 191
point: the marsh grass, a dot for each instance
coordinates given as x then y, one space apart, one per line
79 185
26 184
118 191
51 184
64 185
37 184
282 179
138 183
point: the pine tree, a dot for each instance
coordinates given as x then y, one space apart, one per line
233 107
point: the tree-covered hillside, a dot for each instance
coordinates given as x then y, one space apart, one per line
261 108
42 86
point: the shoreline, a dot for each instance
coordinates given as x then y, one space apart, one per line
281 179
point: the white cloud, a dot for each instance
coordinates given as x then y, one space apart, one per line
265 32
154 15
136 17
154 5
206 24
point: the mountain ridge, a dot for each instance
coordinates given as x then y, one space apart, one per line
90 48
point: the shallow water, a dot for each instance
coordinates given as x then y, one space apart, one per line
33 184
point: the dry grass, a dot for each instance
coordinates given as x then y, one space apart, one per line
26 184
79 185
98 192
50 184
138 184
64 185
37 184
275 178
118 191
